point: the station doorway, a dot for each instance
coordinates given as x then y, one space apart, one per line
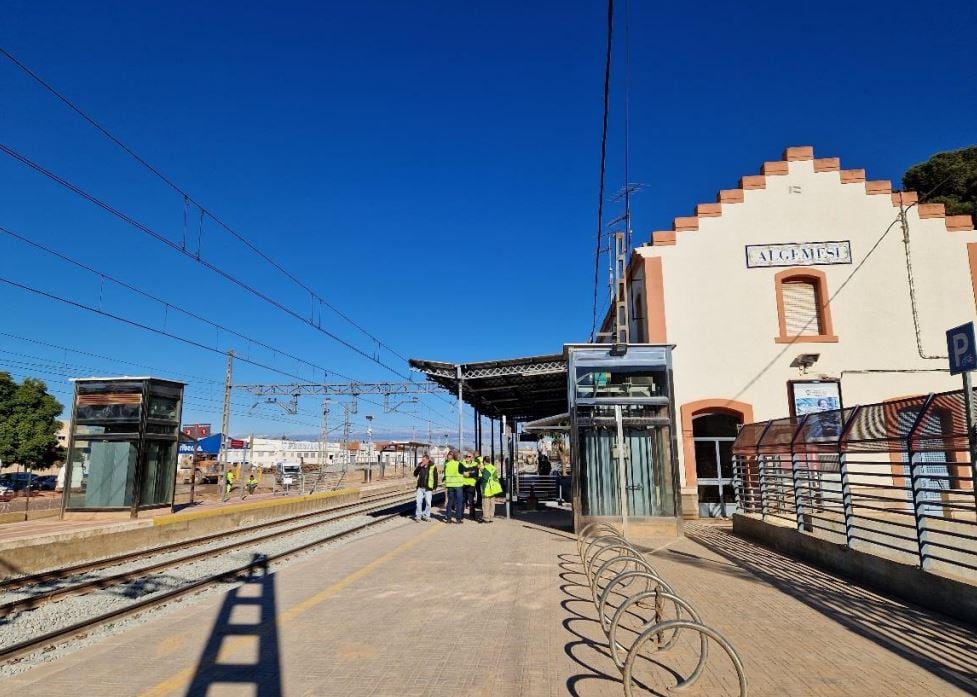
713 435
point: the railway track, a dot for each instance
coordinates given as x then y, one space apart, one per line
55 575
394 503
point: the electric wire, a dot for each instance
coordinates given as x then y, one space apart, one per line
603 161
165 303
858 267
107 358
155 330
242 410
188 199
168 305
159 237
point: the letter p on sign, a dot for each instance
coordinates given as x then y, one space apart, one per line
961 348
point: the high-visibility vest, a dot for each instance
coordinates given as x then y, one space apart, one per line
492 487
452 477
468 480
431 471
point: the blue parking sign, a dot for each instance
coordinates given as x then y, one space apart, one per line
961 348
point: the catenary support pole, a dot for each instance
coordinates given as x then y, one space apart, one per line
249 461
226 424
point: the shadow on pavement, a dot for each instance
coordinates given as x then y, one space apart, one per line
256 638
931 641
584 649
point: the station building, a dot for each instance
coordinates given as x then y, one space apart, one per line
808 287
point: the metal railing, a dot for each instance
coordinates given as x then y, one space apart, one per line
894 479
616 570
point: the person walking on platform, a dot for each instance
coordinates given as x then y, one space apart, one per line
490 486
454 485
427 482
469 479
228 483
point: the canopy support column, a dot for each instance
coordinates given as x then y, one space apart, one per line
461 404
492 438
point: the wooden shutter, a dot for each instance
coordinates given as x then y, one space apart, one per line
802 314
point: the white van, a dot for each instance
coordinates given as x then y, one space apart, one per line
288 473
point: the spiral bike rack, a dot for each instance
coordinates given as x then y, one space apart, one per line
628 560
589 528
598 546
610 551
628 576
663 644
704 631
602 548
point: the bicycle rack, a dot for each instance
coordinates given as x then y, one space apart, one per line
602 548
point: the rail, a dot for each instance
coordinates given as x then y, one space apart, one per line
616 569
894 479
382 511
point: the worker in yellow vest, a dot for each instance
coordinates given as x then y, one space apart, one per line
469 478
488 482
454 489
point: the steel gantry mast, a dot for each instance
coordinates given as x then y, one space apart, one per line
293 391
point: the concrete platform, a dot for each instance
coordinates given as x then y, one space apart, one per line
431 609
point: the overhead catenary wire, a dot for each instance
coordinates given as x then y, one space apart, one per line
189 313
103 357
51 368
212 267
188 199
603 161
163 332
163 239
167 304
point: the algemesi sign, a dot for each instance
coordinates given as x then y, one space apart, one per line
798 254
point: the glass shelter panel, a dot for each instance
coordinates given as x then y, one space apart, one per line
158 473
102 474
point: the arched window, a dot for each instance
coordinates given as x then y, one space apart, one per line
802 306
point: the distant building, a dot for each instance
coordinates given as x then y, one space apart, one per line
270 451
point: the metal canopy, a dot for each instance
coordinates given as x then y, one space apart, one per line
520 389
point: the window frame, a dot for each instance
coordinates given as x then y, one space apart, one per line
818 279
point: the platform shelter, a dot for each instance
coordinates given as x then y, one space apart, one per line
615 404
122 447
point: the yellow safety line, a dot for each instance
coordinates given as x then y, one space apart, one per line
226 509
234 643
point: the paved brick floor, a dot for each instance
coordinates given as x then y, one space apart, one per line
428 609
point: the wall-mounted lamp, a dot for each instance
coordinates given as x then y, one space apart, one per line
805 361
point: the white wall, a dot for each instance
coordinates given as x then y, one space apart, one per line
723 316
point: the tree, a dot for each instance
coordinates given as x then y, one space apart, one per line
28 423
952 179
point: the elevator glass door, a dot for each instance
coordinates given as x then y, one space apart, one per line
624 459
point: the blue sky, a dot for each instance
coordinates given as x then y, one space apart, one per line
430 168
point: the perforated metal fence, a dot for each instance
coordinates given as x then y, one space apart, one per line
894 479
